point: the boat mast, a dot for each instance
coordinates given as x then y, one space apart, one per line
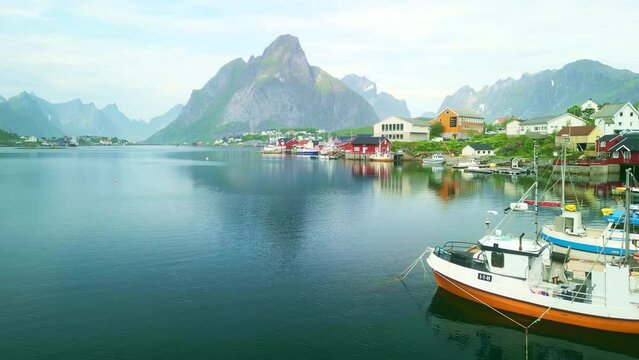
536 192
626 225
563 174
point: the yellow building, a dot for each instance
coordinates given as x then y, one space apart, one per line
459 123
580 137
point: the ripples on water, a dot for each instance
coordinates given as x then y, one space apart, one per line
249 256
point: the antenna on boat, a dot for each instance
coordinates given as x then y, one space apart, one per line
565 139
488 213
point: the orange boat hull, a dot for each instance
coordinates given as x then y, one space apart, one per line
532 310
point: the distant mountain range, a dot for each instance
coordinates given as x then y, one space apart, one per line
277 89
383 103
28 114
549 92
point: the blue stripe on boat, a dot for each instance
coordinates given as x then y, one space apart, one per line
583 247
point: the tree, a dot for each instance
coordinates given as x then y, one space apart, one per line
436 129
575 110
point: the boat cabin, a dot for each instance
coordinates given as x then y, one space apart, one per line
570 221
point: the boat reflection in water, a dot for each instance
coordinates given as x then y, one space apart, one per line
486 335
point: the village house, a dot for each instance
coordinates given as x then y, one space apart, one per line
614 118
626 150
606 142
478 150
580 137
288 143
366 145
403 129
459 123
542 126
589 104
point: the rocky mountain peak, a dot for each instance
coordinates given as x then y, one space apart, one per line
283 58
361 83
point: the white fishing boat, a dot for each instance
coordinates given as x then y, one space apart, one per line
466 164
525 276
382 157
435 159
271 149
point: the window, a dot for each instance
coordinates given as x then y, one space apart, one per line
401 136
621 114
453 121
620 123
631 113
497 259
401 127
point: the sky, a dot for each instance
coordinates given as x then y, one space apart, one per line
147 56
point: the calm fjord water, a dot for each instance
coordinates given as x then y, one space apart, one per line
246 256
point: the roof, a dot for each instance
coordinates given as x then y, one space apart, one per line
609 110
420 121
630 142
576 130
539 120
366 140
481 146
466 112
608 137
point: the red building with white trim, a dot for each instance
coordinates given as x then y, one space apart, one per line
367 145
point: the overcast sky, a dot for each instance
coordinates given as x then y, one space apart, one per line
148 56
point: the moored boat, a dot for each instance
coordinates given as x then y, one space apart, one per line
466 164
435 159
527 278
568 235
271 149
304 151
382 157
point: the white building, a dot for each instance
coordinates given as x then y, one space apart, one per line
544 125
403 129
589 104
478 150
613 118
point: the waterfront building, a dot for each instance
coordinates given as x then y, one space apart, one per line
366 145
403 129
626 150
542 126
288 143
606 142
580 137
459 123
614 118
478 150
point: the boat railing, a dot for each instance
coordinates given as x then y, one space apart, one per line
459 245
566 292
464 254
